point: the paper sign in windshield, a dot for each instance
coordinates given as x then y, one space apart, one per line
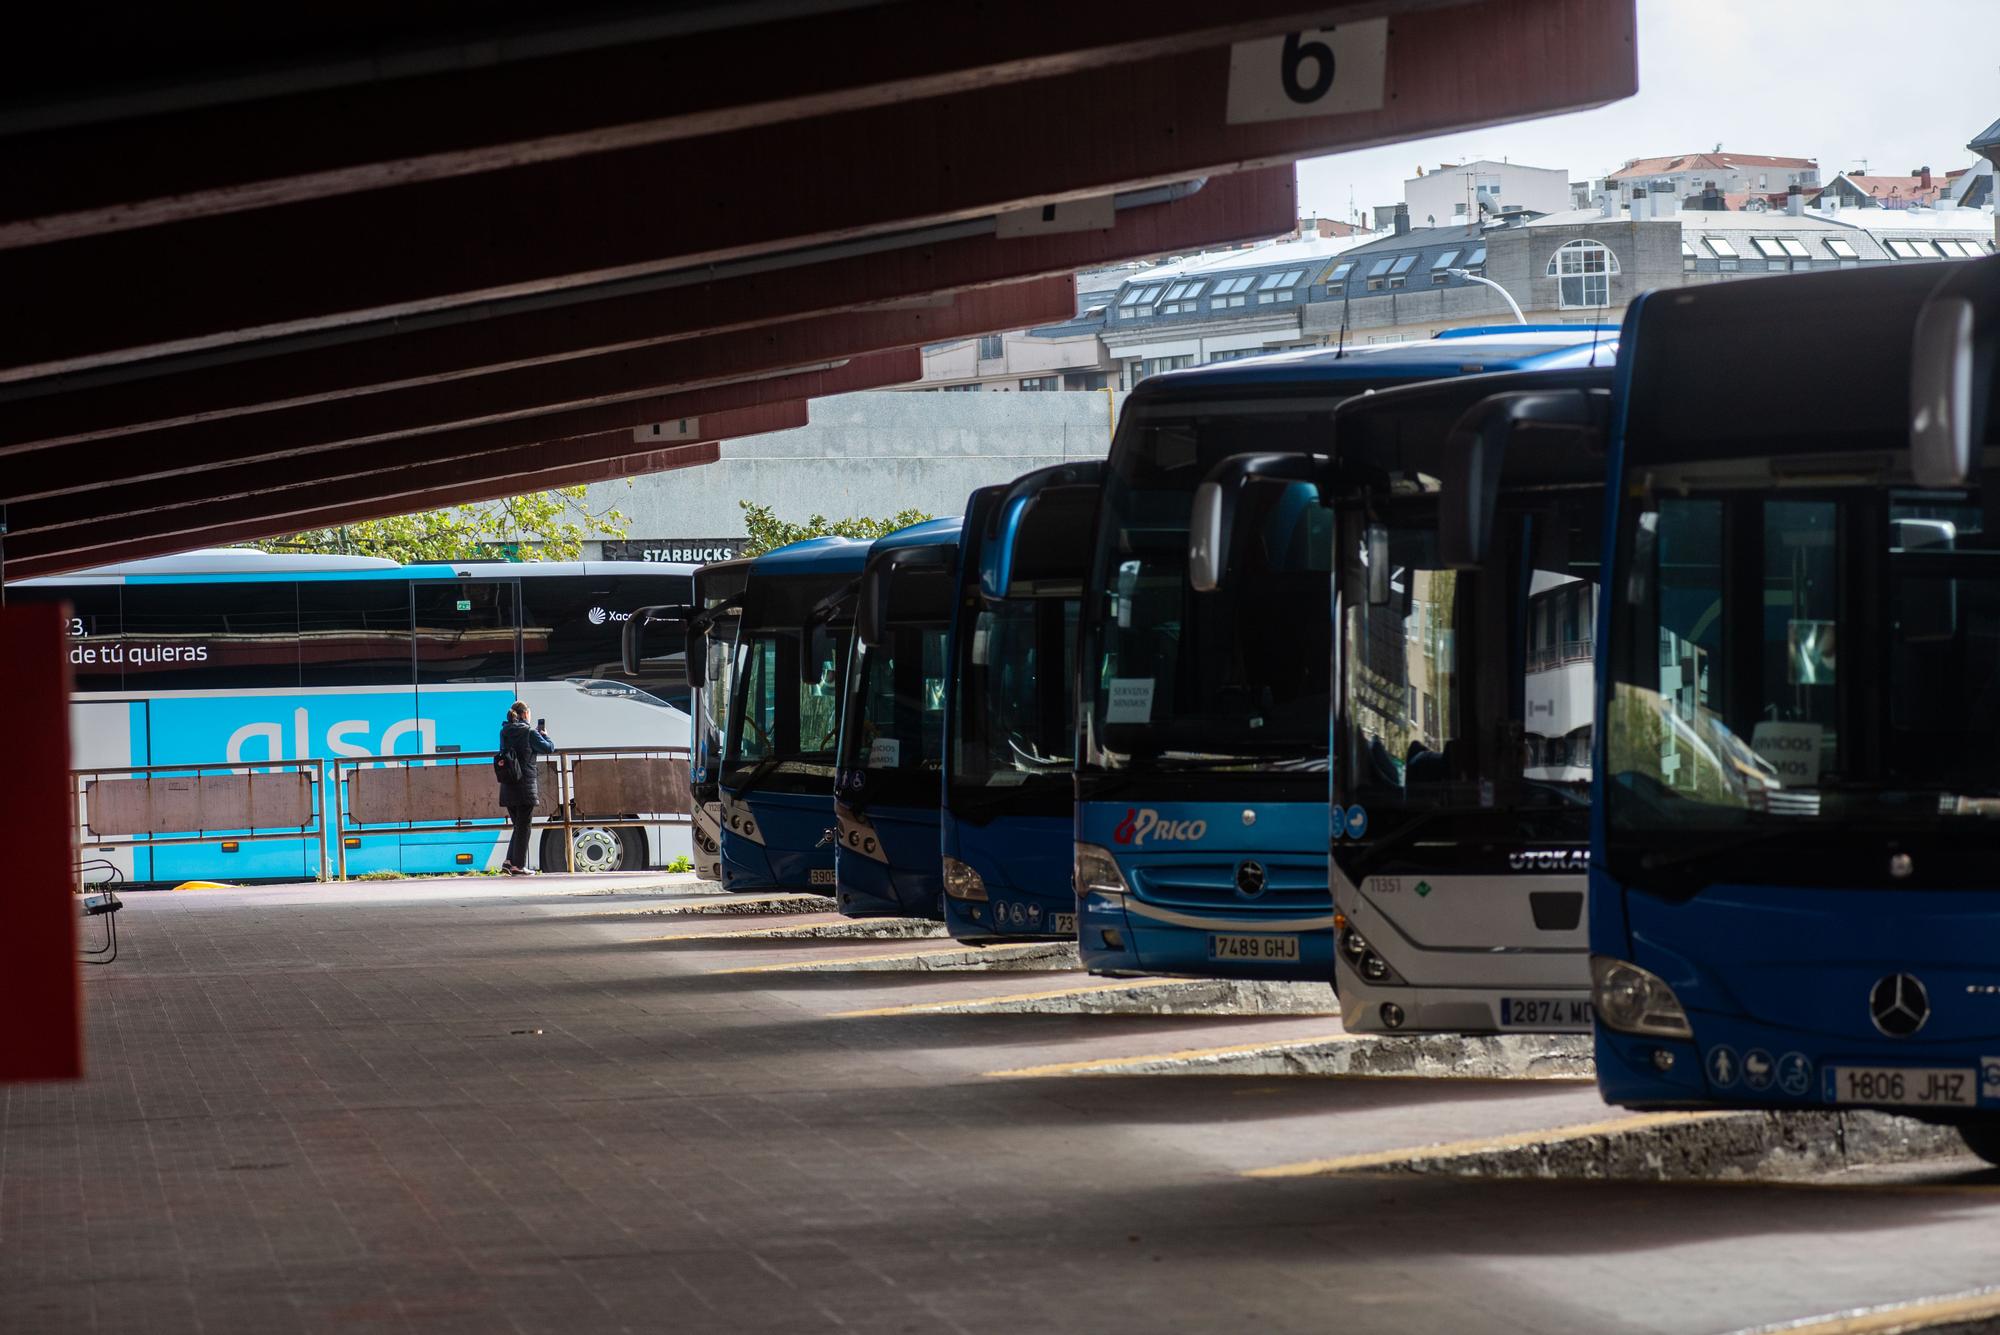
1131 700
885 753
1793 749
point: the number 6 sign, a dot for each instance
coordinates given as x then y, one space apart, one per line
1318 72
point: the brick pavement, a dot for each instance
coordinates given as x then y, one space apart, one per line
498 1109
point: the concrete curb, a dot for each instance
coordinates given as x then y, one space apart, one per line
1672 1147
732 906
1035 956
1434 1056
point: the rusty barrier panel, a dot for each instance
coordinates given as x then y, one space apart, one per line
180 804
614 786
422 794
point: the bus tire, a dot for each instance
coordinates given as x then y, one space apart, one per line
1982 1138
599 849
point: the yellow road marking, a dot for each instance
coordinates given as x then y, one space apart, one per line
808 966
1895 1318
1185 1054
986 1003
1453 1149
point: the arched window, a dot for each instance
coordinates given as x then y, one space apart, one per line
1584 269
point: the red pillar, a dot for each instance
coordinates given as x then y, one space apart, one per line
41 1035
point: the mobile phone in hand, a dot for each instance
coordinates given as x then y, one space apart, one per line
541 725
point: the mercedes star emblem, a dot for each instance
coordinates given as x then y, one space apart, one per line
1250 879
1899 1005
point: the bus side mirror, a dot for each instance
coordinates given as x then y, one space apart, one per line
1476 456
1039 538
1379 591
871 606
813 649
632 641
1208 537
1941 393
1212 520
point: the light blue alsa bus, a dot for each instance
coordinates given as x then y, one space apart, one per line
1201 771
1795 868
232 656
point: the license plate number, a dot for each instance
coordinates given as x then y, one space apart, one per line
822 876
1063 924
1549 1014
1907 1086
1252 947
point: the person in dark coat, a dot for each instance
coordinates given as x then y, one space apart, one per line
522 797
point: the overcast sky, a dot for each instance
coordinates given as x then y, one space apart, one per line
1902 84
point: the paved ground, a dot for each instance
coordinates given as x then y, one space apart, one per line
534 1107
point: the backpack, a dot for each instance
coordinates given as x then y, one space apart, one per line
507 767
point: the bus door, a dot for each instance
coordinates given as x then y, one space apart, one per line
467 647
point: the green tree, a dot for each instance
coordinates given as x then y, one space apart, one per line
767 531
541 526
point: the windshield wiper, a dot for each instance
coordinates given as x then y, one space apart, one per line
758 773
1655 861
1376 850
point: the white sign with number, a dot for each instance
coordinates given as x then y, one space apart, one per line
1328 71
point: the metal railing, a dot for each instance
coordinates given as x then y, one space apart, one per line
1560 654
594 787
129 807
330 802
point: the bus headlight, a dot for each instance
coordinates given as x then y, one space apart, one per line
1361 956
1097 872
1633 1001
962 882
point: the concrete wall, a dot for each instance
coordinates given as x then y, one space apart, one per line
869 454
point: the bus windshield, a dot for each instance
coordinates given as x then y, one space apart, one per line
1743 720
1467 692
783 723
1016 724
892 743
1229 681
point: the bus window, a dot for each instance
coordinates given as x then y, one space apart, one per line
465 632
239 635
354 633
95 641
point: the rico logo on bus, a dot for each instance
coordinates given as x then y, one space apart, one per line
1143 823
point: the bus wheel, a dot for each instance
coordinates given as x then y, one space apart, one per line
595 848
1982 1138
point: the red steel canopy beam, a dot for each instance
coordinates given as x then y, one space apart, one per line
239 492
399 131
469 444
1227 209
557 225
161 467
106 548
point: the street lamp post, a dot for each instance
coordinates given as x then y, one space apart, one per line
1505 295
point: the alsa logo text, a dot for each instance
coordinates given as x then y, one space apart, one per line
1143 823
1550 859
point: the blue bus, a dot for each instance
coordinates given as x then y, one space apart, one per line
1794 856
793 624
1201 817
891 767
235 656
703 634
1010 706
